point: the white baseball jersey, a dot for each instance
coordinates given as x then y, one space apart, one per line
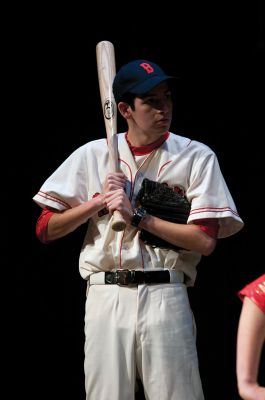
180 162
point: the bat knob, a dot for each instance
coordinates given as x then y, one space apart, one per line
118 223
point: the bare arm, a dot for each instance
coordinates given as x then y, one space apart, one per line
62 223
250 340
189 237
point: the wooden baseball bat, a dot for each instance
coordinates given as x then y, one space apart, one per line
106 67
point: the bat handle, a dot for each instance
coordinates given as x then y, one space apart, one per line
118 223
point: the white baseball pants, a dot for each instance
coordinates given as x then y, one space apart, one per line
147 327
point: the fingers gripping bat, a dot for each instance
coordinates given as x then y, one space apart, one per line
106 67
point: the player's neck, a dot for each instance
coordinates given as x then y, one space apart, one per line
141 149
140 137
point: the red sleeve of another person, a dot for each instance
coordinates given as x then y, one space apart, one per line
255 291
42 224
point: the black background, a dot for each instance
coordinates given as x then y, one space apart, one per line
55 107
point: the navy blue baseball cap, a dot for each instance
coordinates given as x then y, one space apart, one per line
138 77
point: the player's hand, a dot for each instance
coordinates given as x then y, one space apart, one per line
118 200
114 181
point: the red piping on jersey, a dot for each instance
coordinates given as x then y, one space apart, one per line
120 258
53 198
212 209
141 253
129 168
163 166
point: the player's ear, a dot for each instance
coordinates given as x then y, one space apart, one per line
124 109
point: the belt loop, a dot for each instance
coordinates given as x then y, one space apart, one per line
176 276
98 278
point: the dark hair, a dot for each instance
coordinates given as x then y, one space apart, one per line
129 99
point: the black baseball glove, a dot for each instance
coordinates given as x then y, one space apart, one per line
163 202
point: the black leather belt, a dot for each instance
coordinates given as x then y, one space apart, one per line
126 277
131 277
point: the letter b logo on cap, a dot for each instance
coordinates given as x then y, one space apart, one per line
147 67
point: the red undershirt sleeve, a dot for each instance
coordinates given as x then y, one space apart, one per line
42 224
210 226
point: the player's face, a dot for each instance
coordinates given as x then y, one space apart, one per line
153 112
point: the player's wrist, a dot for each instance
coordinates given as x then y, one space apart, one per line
99 201
139 214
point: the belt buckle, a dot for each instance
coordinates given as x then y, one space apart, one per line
123 277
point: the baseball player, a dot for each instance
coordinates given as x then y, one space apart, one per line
138 319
